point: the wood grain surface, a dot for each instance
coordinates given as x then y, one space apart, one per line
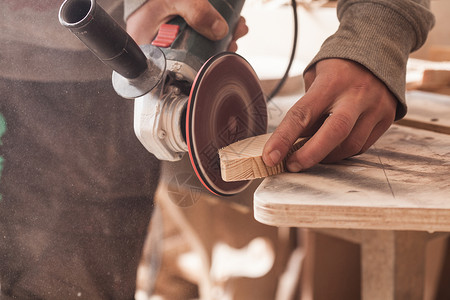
401 183
243 160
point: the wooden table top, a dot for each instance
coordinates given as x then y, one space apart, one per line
401 183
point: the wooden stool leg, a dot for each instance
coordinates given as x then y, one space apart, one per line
393 265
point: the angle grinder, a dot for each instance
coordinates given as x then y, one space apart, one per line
190 94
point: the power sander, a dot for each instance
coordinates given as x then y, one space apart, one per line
190 94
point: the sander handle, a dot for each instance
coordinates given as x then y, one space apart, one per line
103 36
190 41
115 47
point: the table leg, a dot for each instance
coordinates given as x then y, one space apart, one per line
393 264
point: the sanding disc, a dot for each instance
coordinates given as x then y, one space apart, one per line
226 104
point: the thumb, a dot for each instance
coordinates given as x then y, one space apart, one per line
203 18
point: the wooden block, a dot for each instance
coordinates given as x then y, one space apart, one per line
434 76
243 160
437 81
428 111
439 53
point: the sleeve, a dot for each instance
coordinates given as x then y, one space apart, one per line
380 35
130 6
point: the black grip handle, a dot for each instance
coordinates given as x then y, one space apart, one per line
103 36
190 41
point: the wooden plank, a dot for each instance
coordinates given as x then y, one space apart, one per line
439 53
393 265
423 123
428 111
243 160
401 183
429 76
436 81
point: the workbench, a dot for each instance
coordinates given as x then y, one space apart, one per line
391 200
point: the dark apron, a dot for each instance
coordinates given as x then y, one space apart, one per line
76 191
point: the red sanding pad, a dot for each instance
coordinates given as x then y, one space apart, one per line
226 105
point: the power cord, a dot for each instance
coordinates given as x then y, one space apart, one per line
280 84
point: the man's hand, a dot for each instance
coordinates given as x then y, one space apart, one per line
345 110
144 23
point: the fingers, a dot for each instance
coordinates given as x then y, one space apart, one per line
143 24
354 143
307 114
358 109
298 120
334 131
376 117
240 31
202 17
363 135
345 133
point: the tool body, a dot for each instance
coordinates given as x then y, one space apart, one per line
191 96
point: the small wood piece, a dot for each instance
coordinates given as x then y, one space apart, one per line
436 81
243 160
439 53
434 76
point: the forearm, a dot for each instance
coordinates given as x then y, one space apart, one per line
380 35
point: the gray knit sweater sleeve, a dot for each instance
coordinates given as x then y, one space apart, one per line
130 6
380 35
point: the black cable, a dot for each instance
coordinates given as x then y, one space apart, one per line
291 60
